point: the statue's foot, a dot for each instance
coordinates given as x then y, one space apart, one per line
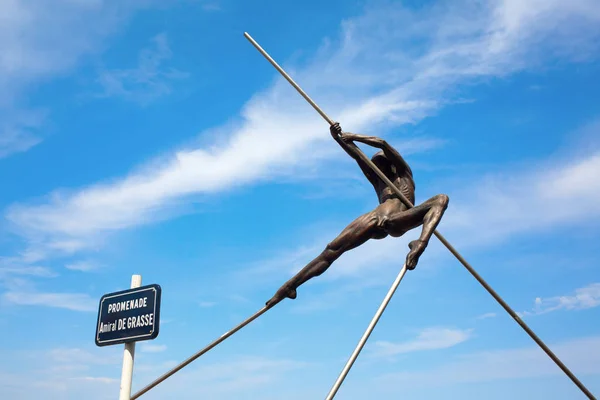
286 291
417 247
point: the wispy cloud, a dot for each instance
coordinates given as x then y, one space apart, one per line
153 348
97 379
79 356
82 266
582 355
79 373
18 130
45 45
217 380
212 6
38 43
62 372
149 80
501 205
69 301
487 315
391 82
329 298
16 266
583 298
435 338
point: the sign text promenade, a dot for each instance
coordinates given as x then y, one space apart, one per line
129 316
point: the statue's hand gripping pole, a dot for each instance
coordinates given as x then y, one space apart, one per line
459 257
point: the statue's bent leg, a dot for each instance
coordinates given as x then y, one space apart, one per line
365 227
427 214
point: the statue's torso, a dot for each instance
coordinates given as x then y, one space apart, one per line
403 180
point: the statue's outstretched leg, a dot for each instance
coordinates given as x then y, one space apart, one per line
427 214
365 227
373 225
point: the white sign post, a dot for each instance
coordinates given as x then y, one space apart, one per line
128 355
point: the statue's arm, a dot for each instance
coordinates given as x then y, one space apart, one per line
352 151
390 152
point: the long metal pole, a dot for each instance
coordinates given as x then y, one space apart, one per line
460 258
365 336
289 79
128 355
198 354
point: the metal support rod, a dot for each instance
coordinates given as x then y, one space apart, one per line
460 258
128 355
289 79
365 337
200 353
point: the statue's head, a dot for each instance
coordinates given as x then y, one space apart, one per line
382 162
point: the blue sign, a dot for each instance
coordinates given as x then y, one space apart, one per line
129 316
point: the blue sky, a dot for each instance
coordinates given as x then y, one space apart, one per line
149 137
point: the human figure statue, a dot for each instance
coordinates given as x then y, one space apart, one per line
392 217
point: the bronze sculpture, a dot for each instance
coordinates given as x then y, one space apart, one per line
412 259
391 217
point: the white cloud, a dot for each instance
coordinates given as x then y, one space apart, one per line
17 130
83 266
556 192
93 373
228 379
281 263
374 74
69 301
332 297
38 44
38 40
35 386
16 266
583 298
98 379
146 82
153 348
79 357
581 355
435 338
487 316
63 373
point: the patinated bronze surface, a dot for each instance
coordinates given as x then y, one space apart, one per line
391 217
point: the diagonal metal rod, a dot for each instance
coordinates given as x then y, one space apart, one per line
460 258
289 79
198 354
365 337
